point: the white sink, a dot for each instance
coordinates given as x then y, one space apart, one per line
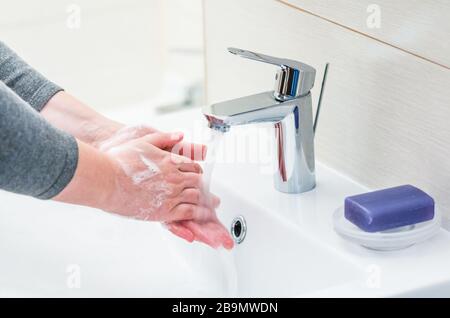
53 249
277 260
44 245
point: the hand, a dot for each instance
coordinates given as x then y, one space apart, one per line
88 126
88 187
123 134
187 211
155 185
210 232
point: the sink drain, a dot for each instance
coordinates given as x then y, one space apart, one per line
238 229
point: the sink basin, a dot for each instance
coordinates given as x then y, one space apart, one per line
290 249
45 245
277 260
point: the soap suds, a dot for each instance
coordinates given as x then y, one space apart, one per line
160 191
145 175
153 167
151 171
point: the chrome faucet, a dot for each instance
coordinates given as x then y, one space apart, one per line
289 107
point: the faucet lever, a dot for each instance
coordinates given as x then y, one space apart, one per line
319 103
294 79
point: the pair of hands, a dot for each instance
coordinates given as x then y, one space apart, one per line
140 172
157 179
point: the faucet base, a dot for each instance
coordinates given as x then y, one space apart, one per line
295 149
286 188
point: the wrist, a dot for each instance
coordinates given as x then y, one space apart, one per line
97 130
69 114
94 181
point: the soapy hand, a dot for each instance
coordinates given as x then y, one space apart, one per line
123 134
157 185
152 184
140 152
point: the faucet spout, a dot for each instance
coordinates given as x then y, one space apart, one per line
246 110
294 137
289 108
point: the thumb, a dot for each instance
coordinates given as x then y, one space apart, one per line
164 140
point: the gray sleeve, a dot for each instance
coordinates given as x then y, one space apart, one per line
36 159
26 82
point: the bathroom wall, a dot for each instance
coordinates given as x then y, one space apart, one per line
109 53
386 110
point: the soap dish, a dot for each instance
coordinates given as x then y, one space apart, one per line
389 240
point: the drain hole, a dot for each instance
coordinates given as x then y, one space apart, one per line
238 229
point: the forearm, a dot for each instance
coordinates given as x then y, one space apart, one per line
36 159
39 160
93 181
69 114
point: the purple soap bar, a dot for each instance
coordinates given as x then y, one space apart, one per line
389 208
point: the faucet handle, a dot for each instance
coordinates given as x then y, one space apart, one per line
294 79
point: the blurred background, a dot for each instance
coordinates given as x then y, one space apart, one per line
112 53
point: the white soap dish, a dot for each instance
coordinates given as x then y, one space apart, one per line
389 240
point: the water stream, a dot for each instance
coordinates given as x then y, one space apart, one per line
213 271
213 142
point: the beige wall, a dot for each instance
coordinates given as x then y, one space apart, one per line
419 27
386 112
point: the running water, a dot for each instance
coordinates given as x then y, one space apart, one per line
212 272
213 143
228 279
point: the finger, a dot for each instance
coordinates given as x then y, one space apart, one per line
133 132
186 211
144 129
213 200
177 159
190 167
224 236
209 200
192 180
125 134
189 150
181 231
164 140
201 235
190 195
198 197
212 233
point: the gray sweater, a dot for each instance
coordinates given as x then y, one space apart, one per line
36 158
